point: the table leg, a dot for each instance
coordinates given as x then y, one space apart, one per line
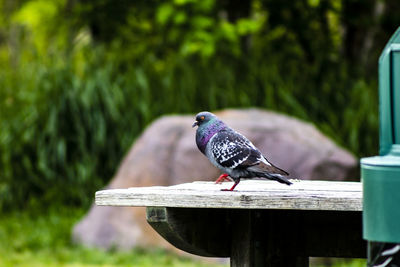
264 239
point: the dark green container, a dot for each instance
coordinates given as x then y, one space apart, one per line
380 175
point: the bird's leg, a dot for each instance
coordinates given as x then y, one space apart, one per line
233 187
222 178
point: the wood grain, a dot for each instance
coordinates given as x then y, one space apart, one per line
250 194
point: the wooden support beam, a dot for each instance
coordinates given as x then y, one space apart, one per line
261 237
201 232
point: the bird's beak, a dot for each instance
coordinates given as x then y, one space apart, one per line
196 123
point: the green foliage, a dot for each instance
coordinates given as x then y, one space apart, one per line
337 262
29 239
81 81
350 263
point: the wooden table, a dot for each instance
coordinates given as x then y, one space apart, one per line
263 223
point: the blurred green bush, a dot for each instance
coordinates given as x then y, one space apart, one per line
81 79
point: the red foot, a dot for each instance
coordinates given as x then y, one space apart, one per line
222 178
234 185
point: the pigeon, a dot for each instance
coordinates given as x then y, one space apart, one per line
232 152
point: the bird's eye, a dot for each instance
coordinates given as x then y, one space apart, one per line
202 118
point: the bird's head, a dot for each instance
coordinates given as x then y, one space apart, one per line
203 118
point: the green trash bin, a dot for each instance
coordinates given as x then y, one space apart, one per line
380 175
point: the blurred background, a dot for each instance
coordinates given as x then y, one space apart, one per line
81 79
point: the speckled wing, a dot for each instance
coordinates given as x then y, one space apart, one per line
233 150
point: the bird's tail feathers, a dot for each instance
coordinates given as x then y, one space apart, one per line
267 167
276 177
276 169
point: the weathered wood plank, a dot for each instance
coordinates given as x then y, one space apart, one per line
251 194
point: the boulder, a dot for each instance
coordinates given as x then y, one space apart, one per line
166 154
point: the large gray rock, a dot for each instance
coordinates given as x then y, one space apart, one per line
166 154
